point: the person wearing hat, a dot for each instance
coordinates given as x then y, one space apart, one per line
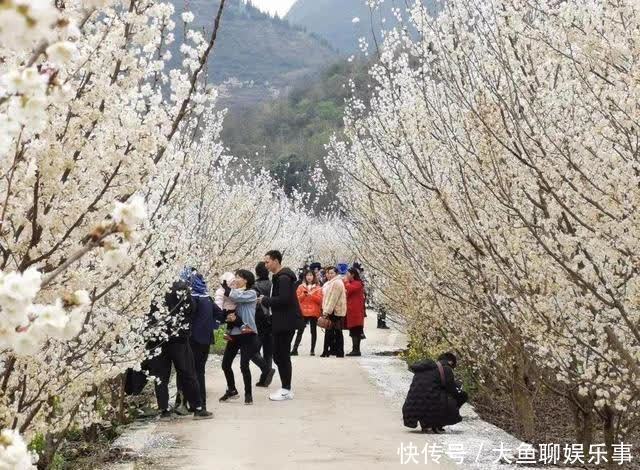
169 325
342 268
205 315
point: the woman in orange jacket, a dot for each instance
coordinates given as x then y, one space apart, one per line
310 298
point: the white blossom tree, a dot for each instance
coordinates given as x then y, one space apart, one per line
90 145
496 165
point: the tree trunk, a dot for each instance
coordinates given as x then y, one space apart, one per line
91 433
121 400
48 453
609 434
584 423
522 402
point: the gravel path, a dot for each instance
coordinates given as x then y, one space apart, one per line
346 415
471 444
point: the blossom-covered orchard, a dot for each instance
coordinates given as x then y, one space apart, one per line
88 137
113 179
493 186
235 213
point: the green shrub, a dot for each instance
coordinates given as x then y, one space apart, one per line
38 445
219 342
419 349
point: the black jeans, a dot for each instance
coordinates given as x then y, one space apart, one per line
314 333
333 343
200 356
282 356
181 356
266 343
248 346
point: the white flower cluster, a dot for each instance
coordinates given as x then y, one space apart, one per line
14 454
493 186
188 17
26 107
27 90
26 22
61 53
127 217
24 325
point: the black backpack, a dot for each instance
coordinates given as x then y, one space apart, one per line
134 382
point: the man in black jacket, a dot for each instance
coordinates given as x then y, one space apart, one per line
286 319
170 331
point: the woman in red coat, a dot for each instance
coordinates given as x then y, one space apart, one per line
355 308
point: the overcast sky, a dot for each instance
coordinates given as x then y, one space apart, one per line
273 6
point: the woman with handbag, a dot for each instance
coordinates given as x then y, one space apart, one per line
334 310
309 295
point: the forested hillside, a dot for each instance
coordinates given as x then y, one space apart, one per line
288 135
264 53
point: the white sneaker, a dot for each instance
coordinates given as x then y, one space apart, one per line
281 395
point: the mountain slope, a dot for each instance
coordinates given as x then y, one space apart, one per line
254 47
333 19
288 135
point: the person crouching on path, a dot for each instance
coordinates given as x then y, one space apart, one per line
334 307
310 299
285 319
243 336
354 288
434 398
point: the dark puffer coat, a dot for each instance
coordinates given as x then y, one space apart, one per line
283 302
430 402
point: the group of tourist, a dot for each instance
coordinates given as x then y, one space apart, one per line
262 312
261 315
339 299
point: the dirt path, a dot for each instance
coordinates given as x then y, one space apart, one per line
339 419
